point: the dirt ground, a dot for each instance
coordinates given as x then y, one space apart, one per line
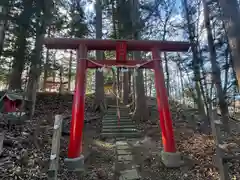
197 149
22 160
100 156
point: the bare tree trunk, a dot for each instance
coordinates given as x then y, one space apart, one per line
134 95
150 88
70 71
227 66
126 88
54 69
99 90
35 73
195 64
36 60
141 104
216 74
46 65
61 80
114 82
3 24
15 81
122 84
145 82
129 81
167 73
203 86
181 80
231 16
118 80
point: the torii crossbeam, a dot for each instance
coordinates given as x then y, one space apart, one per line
75 158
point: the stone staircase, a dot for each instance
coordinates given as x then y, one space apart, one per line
113 128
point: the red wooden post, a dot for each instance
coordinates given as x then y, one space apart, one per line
163 106
77 123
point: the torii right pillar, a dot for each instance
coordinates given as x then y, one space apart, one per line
170 156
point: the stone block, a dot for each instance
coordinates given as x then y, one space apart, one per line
124 147
129 175
172 160
121 143
76 164
123 152
125 158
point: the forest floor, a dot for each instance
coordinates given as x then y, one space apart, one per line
198 150
22 159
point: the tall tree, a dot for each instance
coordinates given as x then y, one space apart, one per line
141 103
4 8
99 97
231 16
23 27
46 65
43 19
216 73
70 70
196 61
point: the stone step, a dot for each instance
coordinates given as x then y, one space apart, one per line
120 134
121 111
109 118
120 108
116 116
115 110
120 130
116 120
116 126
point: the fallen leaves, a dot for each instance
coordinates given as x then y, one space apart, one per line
20 158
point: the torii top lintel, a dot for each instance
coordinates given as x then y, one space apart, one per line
102 44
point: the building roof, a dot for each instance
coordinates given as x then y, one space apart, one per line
13 96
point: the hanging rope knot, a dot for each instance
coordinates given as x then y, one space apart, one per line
138 65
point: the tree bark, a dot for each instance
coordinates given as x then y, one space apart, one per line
3 24
167 73
36 59
70 71
195 63
99 89
20 45
181 81
54 69
231 16
61 86
126 87
141 113
216 74
46 65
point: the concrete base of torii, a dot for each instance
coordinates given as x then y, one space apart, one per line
76 164
172 160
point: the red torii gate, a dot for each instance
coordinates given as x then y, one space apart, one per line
75 158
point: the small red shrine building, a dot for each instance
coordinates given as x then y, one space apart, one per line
11 102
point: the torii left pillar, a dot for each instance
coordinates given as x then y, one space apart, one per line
75 160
